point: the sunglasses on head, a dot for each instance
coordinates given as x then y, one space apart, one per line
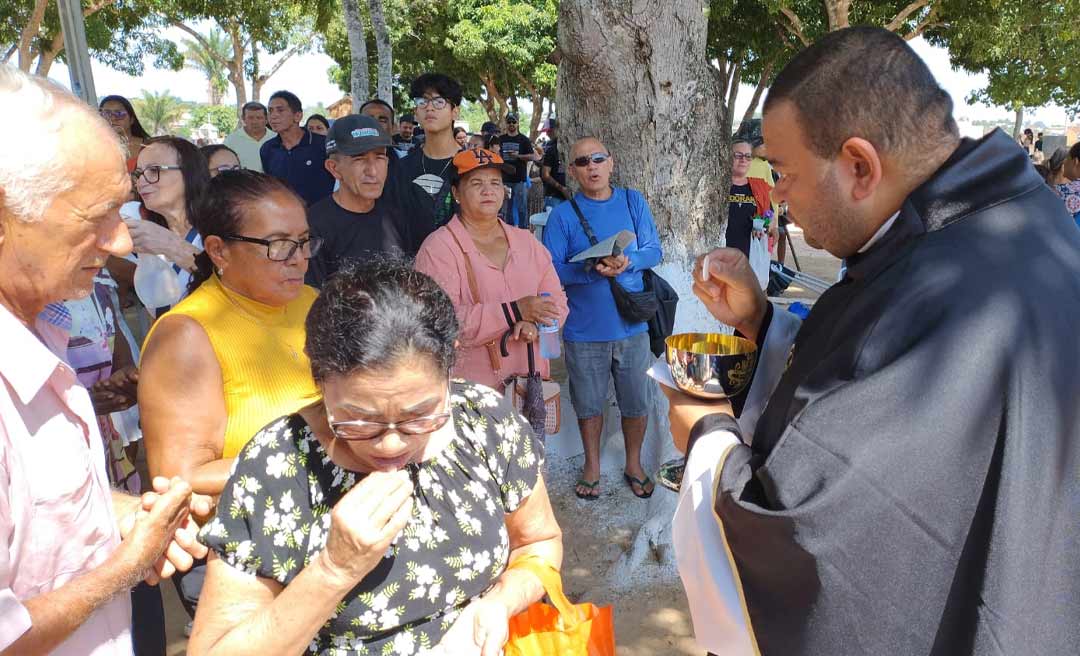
595 158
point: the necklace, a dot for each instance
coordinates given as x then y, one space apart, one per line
268 328
423 163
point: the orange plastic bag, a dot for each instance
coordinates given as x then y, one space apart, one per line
567 629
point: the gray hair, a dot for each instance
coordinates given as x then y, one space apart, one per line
32 173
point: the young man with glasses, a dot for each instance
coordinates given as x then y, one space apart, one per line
438 105
247 140
296 155
599 342
518 151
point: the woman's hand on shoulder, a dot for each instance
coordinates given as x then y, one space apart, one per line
363 524
481 629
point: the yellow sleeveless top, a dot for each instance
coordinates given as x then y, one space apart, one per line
260 349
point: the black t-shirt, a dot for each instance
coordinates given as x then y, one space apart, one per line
352 235
433 176
517 144
558 174
741 211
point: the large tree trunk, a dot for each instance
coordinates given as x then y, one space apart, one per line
385 81
642 85
1018 124
360 85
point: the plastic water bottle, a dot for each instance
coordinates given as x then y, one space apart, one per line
549 337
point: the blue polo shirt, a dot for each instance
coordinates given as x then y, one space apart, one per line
303 167
593 316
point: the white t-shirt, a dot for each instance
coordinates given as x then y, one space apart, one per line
247 149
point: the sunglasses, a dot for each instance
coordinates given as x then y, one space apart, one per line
117 114
595 158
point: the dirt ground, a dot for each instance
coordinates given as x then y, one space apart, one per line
649 621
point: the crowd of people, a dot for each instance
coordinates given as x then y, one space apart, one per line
332 310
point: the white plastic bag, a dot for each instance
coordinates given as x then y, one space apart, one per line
759 260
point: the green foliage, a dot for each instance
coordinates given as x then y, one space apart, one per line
221 117
493 47
158 112
119 34
1027 48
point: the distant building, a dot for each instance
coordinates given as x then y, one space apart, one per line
340 108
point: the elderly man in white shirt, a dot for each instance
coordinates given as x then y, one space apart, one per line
70 547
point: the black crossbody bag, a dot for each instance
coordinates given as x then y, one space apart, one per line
655 304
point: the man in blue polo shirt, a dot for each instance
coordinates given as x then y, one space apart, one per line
296 155
599 342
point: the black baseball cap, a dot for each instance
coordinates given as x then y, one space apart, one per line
489 128
356 134
511 118
407 117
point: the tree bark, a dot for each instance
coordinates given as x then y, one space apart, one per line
1018 125
360 85
838 12
635 75
385 81
29 32
500 105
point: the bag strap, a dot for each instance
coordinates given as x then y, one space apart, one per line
492 349
469 273
584 223
552 582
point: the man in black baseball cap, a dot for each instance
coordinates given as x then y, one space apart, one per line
363 215
516 149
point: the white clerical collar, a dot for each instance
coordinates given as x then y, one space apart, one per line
880 233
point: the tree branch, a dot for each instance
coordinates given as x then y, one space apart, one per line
292 51
759 90
794 25
898 21
31 30
926 23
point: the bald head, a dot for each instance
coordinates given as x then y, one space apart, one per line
587 146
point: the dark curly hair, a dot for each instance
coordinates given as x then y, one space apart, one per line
223 208
372 313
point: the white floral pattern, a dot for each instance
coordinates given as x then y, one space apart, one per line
274 516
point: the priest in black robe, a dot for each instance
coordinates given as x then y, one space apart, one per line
903 475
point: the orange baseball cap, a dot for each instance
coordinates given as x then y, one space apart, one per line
468 161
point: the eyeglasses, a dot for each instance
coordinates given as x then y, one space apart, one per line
364 431
438 102
152 173
118 114
595 158
228 167
746 157
281 250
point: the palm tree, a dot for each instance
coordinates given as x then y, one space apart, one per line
208 56
158 112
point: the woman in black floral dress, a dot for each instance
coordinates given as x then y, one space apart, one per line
381 520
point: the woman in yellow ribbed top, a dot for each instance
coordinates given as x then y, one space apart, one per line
229 358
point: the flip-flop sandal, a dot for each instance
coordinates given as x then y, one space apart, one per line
591 486
630 480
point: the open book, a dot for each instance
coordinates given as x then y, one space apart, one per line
613 245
